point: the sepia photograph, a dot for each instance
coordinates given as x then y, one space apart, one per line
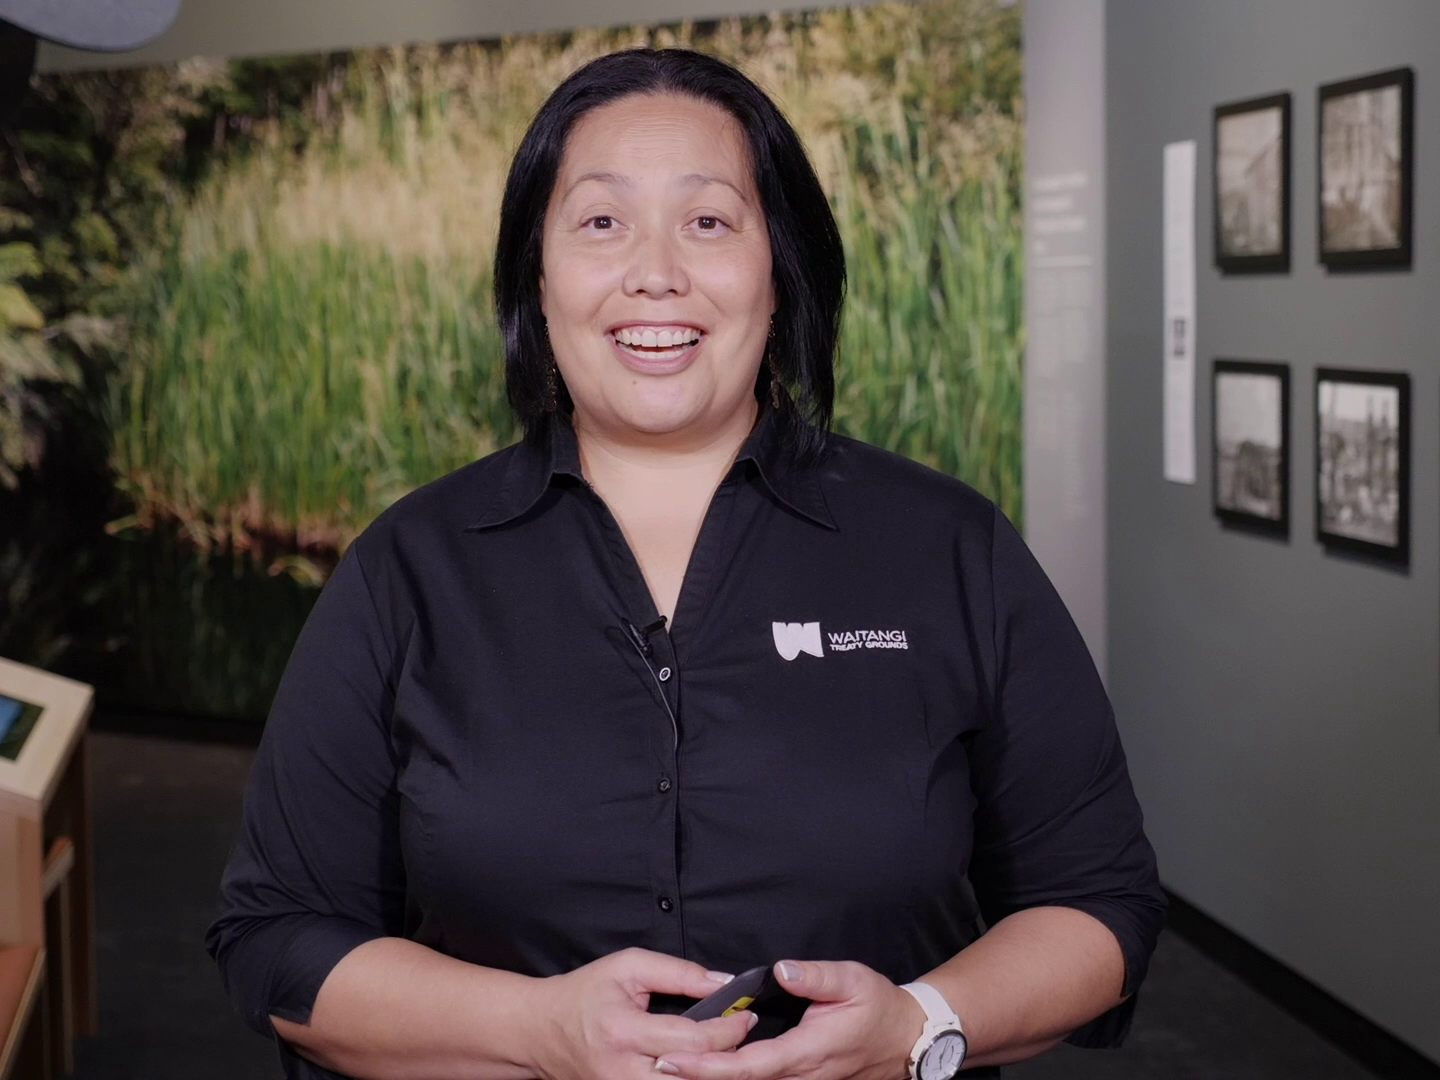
1252 185
1252 444
1365 170
1362 459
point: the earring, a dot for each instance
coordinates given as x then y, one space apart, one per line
776 393
552 388
552 380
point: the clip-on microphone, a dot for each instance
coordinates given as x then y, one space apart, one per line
640 635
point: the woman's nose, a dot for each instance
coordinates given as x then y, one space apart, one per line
655 267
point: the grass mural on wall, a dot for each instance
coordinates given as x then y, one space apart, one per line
315 339
290 259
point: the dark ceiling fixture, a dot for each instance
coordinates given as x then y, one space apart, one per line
97 25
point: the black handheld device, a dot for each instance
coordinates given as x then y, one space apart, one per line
759 991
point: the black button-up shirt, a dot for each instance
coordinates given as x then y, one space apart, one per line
871 724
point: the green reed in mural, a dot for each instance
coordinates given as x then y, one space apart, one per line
294 392
315 338
931 350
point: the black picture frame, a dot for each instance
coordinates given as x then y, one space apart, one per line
1329 445
1229 508
1400 253
1228 260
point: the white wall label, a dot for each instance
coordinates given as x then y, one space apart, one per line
1178 336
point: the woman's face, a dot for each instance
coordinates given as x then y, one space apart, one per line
656 280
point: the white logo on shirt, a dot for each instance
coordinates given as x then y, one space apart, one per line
868 639
793 638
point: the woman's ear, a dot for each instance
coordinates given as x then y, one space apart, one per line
542 297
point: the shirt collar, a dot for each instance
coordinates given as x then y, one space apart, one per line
536 463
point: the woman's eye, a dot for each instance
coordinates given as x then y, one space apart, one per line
601 221
708 224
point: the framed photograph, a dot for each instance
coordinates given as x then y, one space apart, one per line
1367 140
1251 454
1252 186
1362 462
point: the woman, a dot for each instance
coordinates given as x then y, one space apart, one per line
680 685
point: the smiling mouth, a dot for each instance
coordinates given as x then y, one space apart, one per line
657 342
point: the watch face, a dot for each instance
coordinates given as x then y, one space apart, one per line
943 1058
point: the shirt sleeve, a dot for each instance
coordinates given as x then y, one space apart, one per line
316 869
1057 822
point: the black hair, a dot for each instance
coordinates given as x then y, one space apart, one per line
807 257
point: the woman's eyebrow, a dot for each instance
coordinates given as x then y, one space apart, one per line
613 179
617 180
703 178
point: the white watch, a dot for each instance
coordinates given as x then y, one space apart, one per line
940 1050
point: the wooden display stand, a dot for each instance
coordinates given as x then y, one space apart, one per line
47 907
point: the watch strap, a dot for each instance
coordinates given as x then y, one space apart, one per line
939 1017
937 1009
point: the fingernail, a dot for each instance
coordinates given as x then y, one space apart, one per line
751 1019
789 972
718 976
661 1065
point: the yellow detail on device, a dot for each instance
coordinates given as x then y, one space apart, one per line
740 1004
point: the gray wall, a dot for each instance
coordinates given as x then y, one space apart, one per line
1280 706
1065 303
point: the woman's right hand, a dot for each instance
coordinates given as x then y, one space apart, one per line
592 1022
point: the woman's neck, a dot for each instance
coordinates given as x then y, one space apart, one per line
659 492
628 468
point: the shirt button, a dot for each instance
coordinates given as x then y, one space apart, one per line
664 785
666 904
664 674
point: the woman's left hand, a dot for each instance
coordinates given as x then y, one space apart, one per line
861 1026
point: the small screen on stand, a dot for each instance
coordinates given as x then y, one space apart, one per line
17 720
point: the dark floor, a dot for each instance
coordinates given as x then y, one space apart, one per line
165 814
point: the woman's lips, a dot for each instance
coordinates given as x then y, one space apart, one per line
657 335
657 349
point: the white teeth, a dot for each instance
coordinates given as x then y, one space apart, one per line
652 339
